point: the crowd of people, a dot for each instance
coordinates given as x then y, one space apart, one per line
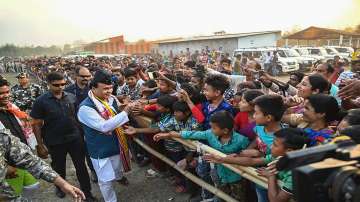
90 108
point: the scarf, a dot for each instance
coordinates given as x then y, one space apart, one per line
106 112
24 121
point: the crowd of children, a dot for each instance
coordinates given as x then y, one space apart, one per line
254 122
255 125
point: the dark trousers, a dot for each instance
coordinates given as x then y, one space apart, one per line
87 157
77 153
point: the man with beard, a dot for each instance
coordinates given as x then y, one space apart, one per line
57 132
80 89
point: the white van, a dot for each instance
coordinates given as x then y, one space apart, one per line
287 64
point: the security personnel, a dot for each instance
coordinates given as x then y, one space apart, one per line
24 93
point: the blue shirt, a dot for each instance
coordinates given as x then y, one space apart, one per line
236 144
207 112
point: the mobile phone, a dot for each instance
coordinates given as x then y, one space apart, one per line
256 75
152 75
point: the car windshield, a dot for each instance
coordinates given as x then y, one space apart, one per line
291 53
303 52
323 51
281 53
342 50
331 51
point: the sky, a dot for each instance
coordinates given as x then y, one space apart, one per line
57 22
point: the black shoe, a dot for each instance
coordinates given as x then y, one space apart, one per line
94 177
59 193
90 198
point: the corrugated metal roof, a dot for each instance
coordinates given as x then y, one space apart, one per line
213 37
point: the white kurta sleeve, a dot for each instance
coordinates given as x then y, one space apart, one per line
91 118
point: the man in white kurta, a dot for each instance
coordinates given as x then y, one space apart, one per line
100 137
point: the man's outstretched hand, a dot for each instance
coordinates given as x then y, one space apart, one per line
69 189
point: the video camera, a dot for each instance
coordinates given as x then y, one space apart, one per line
328 173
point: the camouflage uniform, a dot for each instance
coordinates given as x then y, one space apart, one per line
25 97
17 154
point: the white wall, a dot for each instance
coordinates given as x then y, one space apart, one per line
228 45
257 41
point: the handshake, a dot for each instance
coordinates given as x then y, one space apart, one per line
134 108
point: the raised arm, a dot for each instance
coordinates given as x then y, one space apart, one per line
91 118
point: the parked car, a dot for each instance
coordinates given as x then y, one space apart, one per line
344 52
287 64
305 62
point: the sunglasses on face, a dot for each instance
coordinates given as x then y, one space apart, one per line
58 84
84 76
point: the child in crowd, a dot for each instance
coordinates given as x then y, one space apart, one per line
268 111
222 137
244 121
174 117
162 116
148 88
215 86
214 89
197 80
192 97
132 87
286 140
167 86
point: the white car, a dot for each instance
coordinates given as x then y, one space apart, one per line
320 51
305 62
287 64
342 51
306 53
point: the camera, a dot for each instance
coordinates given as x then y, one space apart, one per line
327 173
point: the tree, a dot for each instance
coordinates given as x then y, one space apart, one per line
15 51
357 29
293 30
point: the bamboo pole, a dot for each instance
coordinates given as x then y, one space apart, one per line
187 174
246 172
